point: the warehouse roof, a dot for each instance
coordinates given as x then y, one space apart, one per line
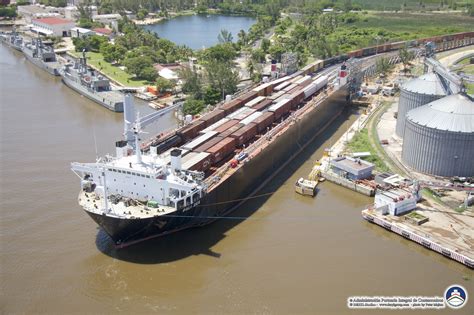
426 84
53 21
453 113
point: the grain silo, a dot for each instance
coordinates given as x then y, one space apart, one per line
439 137
415 93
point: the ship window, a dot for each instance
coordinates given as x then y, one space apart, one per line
188 200
180 204
172 204
134 183
183 193
148 176
196 197
114 170
129 173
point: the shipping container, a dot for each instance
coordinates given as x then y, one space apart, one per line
265 120
232 105
295 78
280 108
262 105
276 95
242 113
297 98
215 125
290 87
263 89
248 96
305 84
317 84
281 86
255 101
195 161
281 98
212 117
222 149
250 118
203 147
227 125
304 79
279 81
190 131
231 130
245 134
200 140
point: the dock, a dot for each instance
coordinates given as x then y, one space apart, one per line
452 243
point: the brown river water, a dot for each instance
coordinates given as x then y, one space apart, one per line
293 255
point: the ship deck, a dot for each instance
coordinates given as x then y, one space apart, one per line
93 202
113 96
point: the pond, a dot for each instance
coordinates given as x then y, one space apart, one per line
200 31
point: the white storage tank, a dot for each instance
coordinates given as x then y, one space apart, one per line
439 137
416 93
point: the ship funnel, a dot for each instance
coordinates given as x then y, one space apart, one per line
129 118
176 159
121 148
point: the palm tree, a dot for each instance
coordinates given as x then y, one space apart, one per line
225 37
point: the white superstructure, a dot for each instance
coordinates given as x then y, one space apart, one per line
130 182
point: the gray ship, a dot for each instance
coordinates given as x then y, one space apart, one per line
42 56
12 39
88 82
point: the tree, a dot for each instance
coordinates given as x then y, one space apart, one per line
382 66
242 36
211 95
276 50
220 52
405 56
225 37
258 55
137 66
265 45
193 106
148 73
164 85
222 77
192 82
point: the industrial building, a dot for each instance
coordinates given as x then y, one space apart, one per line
31 12
53 26
350 168
415 93
439 137
395 201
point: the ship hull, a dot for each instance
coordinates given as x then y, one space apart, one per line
50 68
110 105
247 180
8 43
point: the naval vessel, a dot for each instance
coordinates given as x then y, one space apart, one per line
41 55
90 83
12 39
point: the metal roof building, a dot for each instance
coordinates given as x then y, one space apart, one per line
439 137
415 93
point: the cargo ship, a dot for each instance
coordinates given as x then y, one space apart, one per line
202 171
41 55
88 82
12 40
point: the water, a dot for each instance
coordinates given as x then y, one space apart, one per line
200 31
293 255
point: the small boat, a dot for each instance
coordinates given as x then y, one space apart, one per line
306 187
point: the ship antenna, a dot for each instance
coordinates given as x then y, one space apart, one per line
95 144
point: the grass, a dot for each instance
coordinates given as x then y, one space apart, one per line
416 25
397 4
416 215
360 143
470 88
113 72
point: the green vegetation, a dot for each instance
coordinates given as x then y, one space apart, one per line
416 216
360 143
8 11
113 72
54 3
193 107
89 43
